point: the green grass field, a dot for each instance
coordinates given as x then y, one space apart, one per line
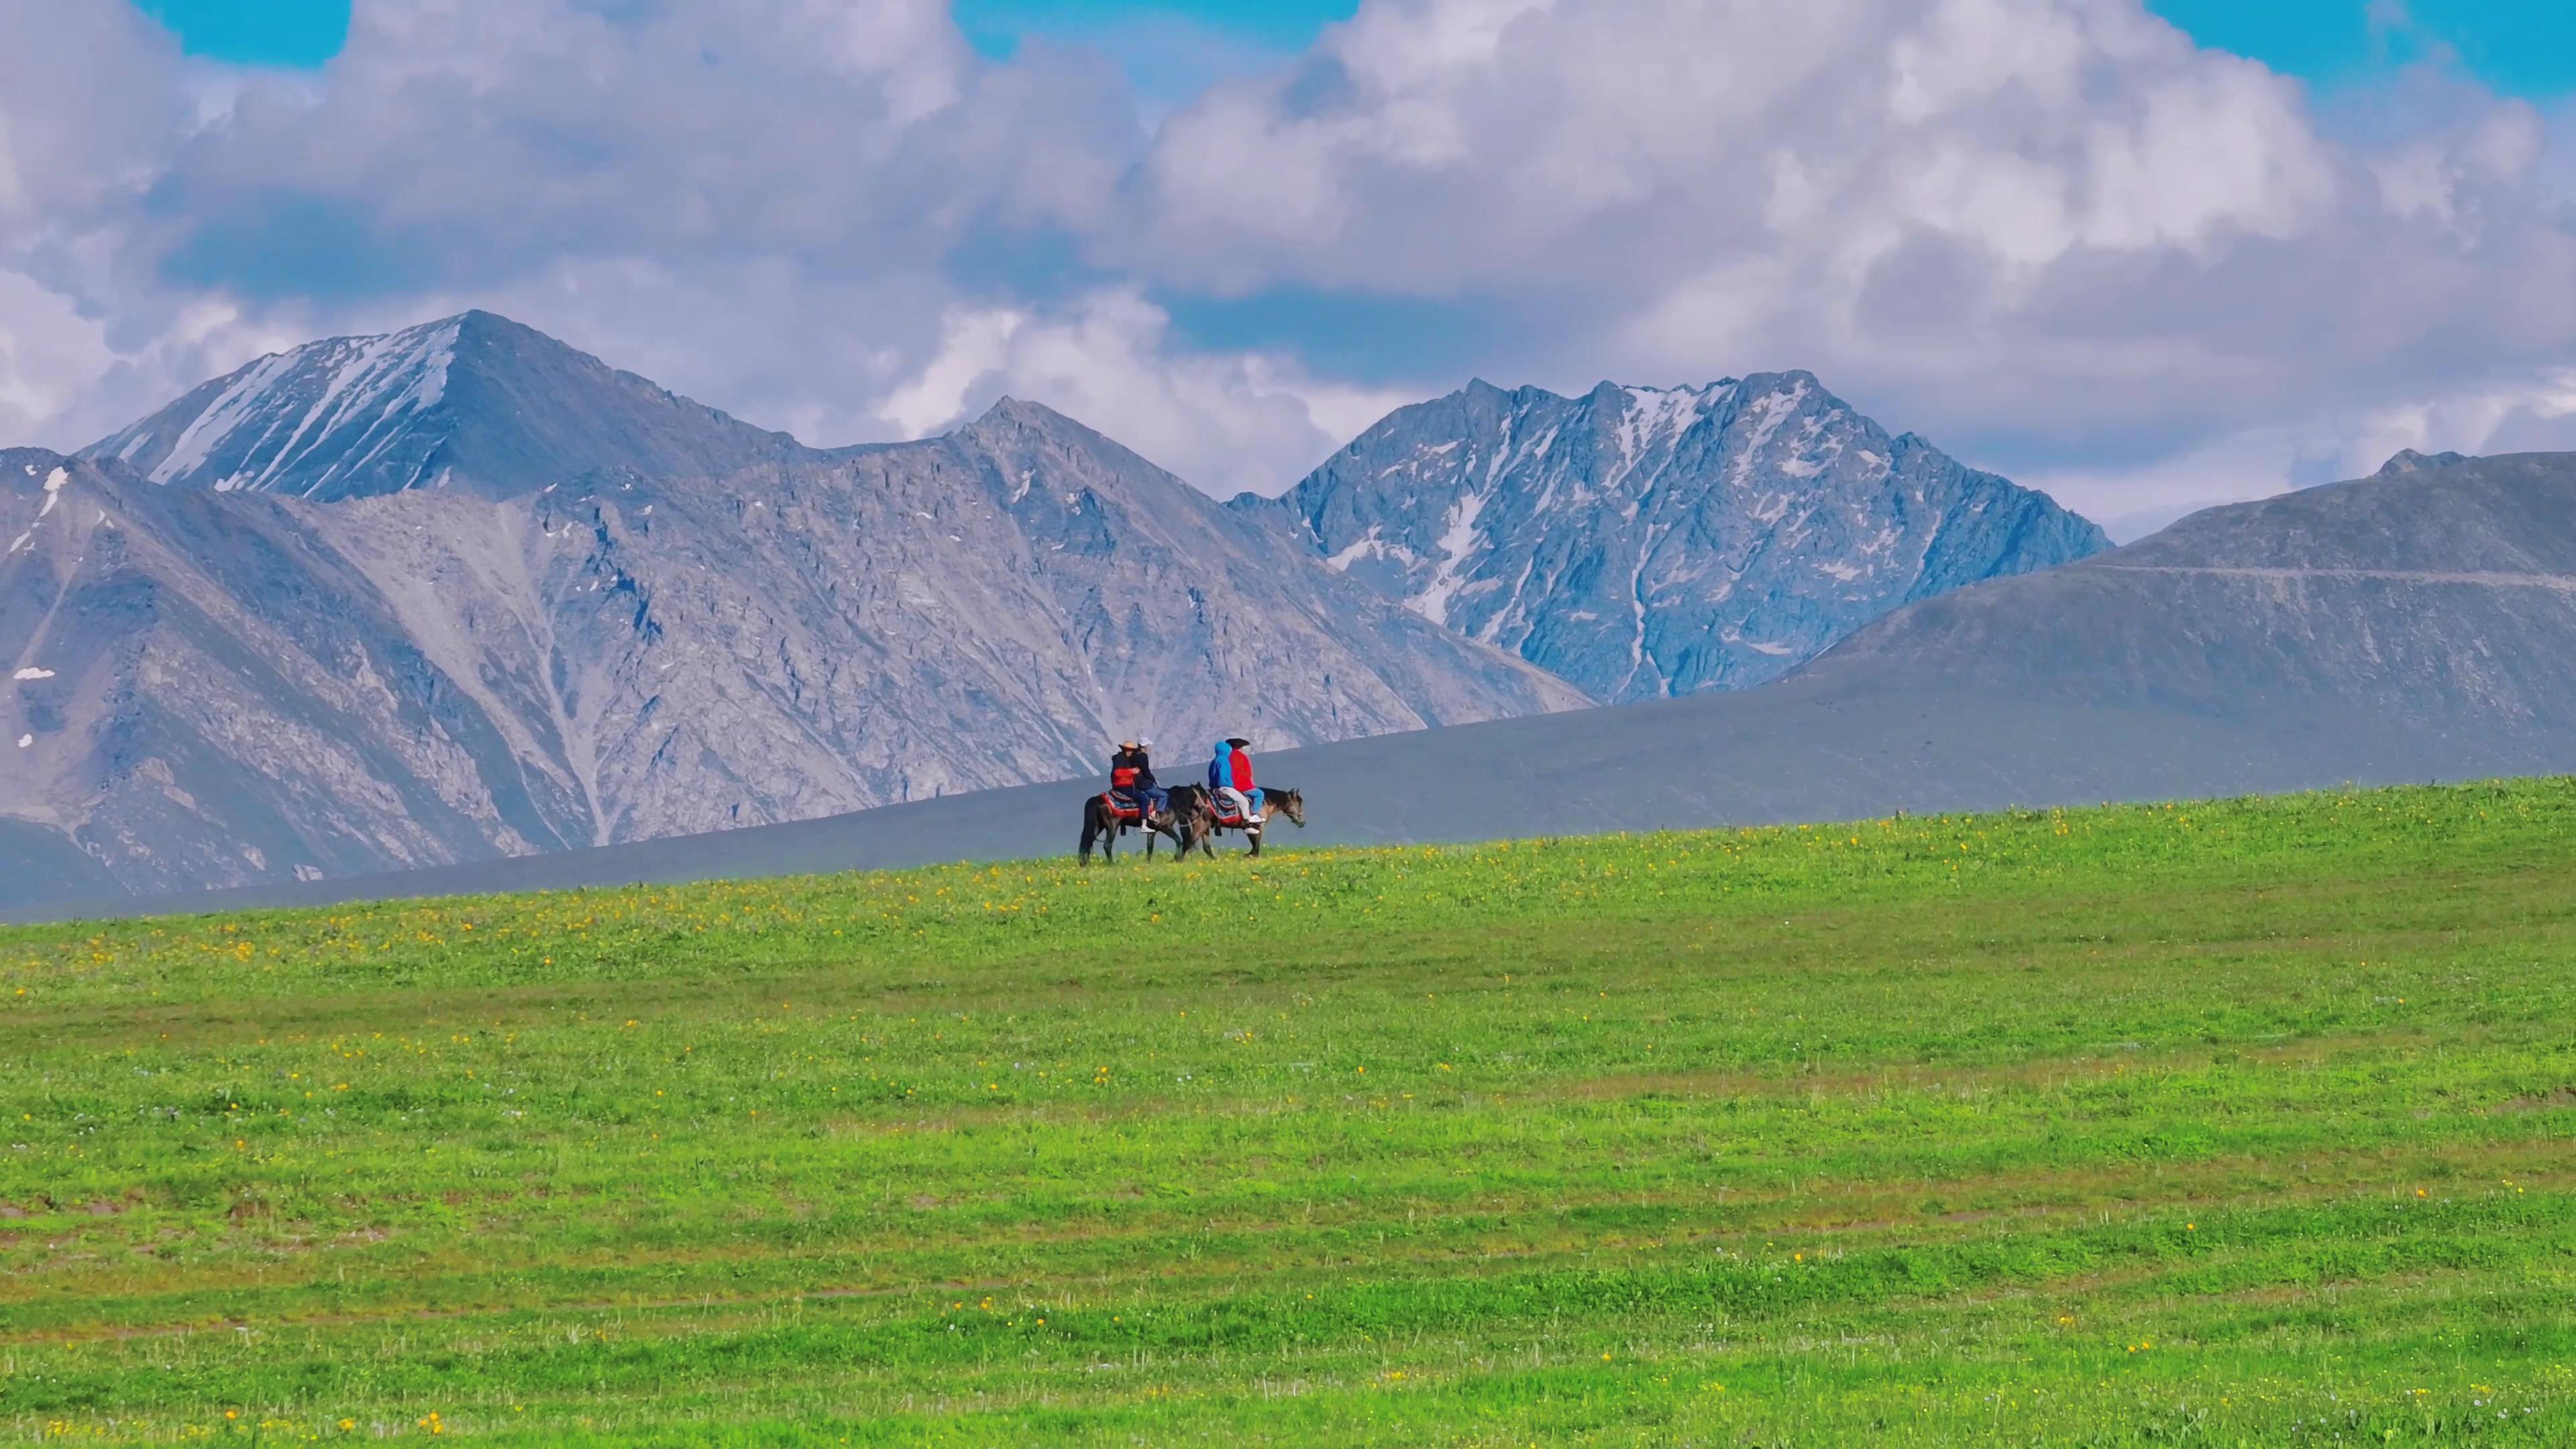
2231 1123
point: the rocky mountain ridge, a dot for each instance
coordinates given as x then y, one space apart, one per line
223 687
462 591
2417 625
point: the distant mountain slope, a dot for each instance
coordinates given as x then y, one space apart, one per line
202 689
1643 542
473 402
231 687
2417 625
2434 600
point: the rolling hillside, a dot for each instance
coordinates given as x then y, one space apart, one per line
2115 1127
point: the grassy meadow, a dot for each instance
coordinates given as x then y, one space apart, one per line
2247 1122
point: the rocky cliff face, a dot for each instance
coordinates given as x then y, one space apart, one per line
1641 542
226 687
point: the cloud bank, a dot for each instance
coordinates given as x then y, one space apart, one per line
2053 235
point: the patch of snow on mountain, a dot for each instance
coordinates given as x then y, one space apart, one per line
302 398
1769 414
32 673
1511 606
235 407
26 742
1459 541
403 373
1366 543
1652 416
1421 458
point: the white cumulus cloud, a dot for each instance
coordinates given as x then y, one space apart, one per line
2054 235
1227 422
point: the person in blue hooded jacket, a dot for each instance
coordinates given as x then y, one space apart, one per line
1230 780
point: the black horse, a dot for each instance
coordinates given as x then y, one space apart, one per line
1102 826
1194 807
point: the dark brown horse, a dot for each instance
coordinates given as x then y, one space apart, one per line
1102 826
1195 808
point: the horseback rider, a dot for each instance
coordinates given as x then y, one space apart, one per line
1131 773
1230 781
1122 775
1131 780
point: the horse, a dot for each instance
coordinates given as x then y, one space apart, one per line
1194 807
1102 826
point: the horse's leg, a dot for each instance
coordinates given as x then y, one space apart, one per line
1254 835
1090 832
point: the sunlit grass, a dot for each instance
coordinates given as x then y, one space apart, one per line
2238 1120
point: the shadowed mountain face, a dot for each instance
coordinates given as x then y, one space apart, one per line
1642 542
2417 625
224 687
475 402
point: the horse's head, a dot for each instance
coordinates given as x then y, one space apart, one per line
1291 804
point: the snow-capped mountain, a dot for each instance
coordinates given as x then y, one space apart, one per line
474 402
1641 542
211 687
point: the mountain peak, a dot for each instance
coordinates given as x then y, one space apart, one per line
1022 412
1643 541
475 401
2409 461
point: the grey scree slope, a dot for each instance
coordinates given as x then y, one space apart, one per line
1646 542
2417 625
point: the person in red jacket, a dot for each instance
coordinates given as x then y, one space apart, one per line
1230 780
1131 776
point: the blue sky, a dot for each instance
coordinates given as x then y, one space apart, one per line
2520 47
